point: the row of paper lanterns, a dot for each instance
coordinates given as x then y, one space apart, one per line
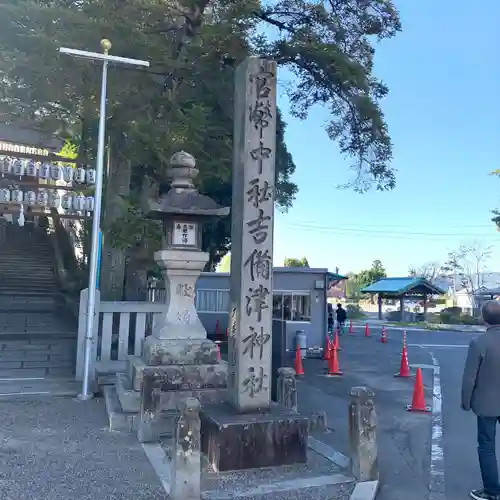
48 199
14 166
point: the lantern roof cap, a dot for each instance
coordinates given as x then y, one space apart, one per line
183 198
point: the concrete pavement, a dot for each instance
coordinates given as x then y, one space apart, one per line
460 463
403 437
421 456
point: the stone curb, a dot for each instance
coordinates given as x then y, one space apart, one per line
431 327
366 490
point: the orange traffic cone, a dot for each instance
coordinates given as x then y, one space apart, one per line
328 346
383 337
336 342
404 368
418 401
350 326
299 368
333 364
367 330
218 353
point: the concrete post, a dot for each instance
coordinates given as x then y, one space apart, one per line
186 462
287 388
362 434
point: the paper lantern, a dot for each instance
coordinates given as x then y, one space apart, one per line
55 199
6 166
55 172
17 196
89 203
31 169
30 198
4 195
67 201
68 173
79 202
90 176
42 198
80 175
18 168
44 171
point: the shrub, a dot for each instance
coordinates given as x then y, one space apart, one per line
454 311
448 318
354 311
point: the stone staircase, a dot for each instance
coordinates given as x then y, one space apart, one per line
37 330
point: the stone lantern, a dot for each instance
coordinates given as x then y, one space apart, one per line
182 210
178 360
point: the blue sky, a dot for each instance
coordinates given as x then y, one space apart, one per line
443 112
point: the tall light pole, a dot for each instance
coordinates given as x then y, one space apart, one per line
95 250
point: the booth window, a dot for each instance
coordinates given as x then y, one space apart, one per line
212 301
292 306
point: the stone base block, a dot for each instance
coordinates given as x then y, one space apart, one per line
175 377
165 388
232 441
130 399
160 422
135 371
158 352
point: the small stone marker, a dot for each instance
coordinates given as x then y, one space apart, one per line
287 388
254 150
362 434
186 463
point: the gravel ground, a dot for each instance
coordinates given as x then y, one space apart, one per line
337 492
60 449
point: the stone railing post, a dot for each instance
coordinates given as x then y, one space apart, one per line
186 462
287 388
362 434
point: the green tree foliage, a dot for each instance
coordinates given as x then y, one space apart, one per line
184 101
366 277
329 46
292 262
369 276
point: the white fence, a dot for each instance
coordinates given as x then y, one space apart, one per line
121 328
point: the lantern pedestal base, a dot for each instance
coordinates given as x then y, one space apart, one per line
233 441
158 352
169 372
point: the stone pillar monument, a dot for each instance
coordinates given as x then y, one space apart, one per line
178 360
252 431
252 236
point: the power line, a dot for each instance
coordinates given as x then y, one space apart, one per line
394 234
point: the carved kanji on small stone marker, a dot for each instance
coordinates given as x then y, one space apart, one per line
362 434
186 460
287 388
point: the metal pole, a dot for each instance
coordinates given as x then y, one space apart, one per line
95 237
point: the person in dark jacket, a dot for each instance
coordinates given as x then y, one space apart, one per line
481 394
330 318
341 317
29 221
